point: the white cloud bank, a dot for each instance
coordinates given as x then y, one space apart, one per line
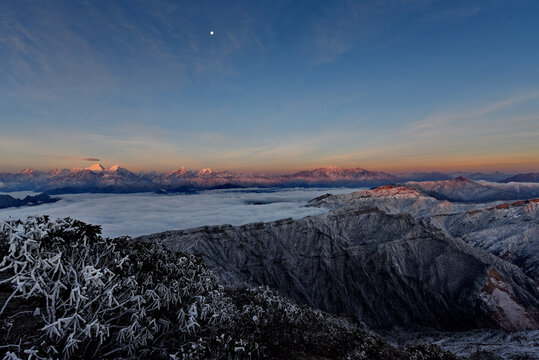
145 213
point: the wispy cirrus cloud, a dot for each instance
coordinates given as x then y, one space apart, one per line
454 14
348 25
49 52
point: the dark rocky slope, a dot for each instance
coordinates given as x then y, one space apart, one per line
387 269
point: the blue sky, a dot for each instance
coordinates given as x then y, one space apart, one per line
281 85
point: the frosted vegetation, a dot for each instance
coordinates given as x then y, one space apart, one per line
67 292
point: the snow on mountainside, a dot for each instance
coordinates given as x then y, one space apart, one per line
204 172
96 167
335 173
387 269
509 230
466 190
30 172
116 168
97 178
459 189
388 198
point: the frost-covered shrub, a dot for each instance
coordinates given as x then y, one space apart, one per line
108 297
277 324
67 292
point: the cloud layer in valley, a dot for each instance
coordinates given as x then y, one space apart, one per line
144 213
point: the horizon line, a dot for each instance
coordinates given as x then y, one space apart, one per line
282 171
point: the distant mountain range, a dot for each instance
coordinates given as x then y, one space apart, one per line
437 176
530 177
117 179
465 190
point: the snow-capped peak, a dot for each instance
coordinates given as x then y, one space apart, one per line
27 171
113 168
96 168
331 167
177 173
205 171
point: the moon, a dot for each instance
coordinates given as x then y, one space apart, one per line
211 33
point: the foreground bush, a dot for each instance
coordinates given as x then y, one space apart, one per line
69 293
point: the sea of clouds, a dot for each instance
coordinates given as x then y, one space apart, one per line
145 213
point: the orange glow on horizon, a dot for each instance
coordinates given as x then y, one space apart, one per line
522 163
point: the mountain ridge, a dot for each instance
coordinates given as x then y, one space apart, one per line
528 177
117 179
509 230
399 266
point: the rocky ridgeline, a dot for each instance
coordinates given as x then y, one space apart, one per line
509 230
465 190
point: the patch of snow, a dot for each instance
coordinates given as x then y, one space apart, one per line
205 171
114 168
517 345
96 167
515 315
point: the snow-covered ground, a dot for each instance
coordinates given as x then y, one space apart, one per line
145 213
517 345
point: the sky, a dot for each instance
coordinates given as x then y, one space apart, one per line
279 86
